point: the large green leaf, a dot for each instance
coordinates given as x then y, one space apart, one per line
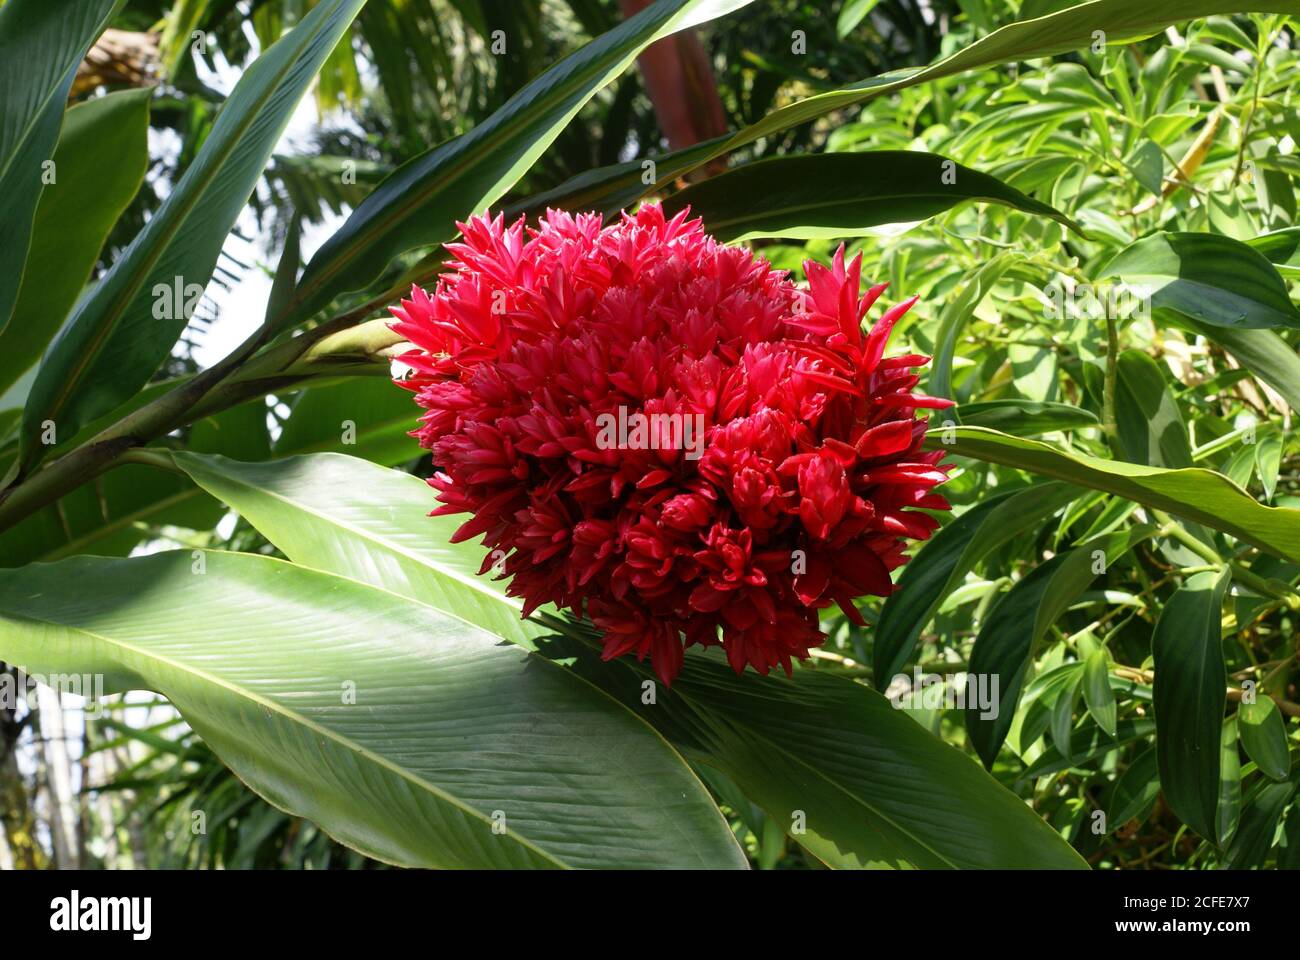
875 787
41 46
420 202
942 563
1005 645
1150 425
1199 495
406 733
100 162
339 513
1189 694
1208 277
1066 31
1262 352
790 196
122 330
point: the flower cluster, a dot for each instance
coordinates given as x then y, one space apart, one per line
790 470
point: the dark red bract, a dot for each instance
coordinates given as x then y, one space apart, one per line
667 436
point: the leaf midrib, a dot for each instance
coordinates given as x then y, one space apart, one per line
276 707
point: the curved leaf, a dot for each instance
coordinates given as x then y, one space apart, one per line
1209 277
874 786
1199 495
412 736
41 46
788 196
945 559
1263 734
100 163
1025 418
420 202
122 331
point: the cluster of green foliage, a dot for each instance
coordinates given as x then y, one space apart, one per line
1096 203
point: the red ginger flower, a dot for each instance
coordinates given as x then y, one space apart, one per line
797 488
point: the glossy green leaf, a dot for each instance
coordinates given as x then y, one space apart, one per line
944 561
100 163
406 733
1190 692
1065 31
957 312
851 14
1282 248
1259 818
1198 495
1025 418
872 783
1135 790
125 327
1005 644
1262 352
1263 734
1097 693
1209 277
787 196
41 46
420 202
1150 426
1088 744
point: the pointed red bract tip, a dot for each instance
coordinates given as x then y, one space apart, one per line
666 436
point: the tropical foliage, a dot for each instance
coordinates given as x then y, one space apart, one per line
1092 661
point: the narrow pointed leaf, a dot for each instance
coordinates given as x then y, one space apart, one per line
1199 495
1190 692
41 46
126 326
421 201
787 196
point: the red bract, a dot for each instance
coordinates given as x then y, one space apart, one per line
667 436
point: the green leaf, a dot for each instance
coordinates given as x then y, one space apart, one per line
1282 249
99 164
1228 813
851 14
783 741
788 196
1208 277
1148 166
1005 645
957 313
125 506
124 329
326 509
1268 461
1190 692
1025 418
1087 744
1097 693
1254 837
404 732
1135 790
944 561
420 202
1202 496
1263 734
1262 352
376 418
41 46
1150 425
1067 31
